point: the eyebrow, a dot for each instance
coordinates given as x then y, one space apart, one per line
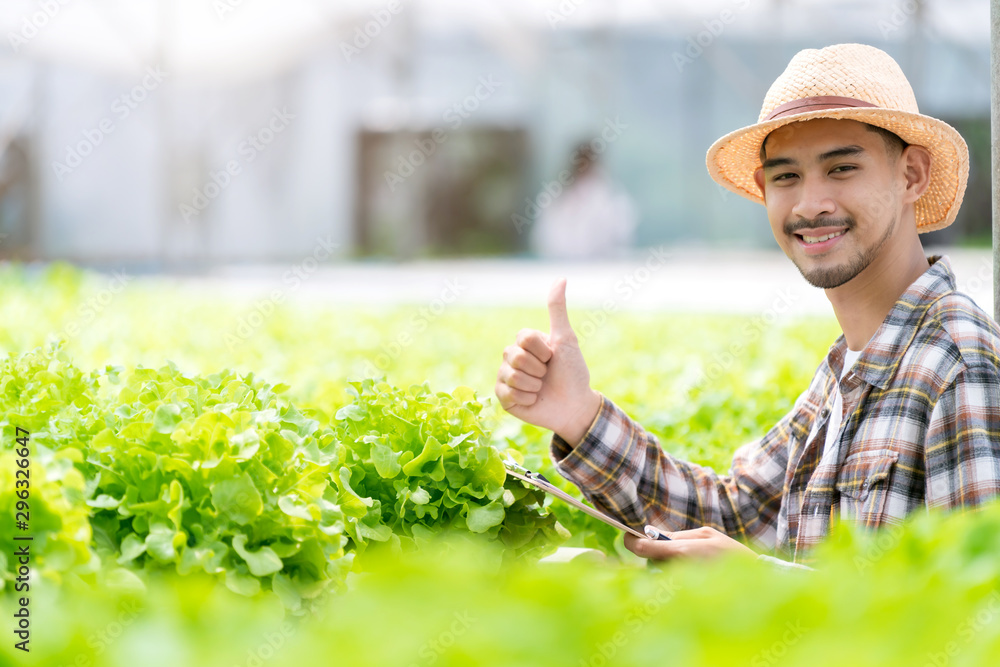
843 151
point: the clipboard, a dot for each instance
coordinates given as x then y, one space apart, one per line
538 481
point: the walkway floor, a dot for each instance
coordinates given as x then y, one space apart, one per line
684 279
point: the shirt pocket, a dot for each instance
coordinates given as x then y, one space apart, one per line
863 484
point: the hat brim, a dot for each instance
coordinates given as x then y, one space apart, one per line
733 159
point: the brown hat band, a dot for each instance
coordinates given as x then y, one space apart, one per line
818 103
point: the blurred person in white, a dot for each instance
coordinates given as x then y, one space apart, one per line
590 218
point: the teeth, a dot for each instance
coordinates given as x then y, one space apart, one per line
820 239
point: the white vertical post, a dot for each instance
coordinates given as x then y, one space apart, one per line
995 148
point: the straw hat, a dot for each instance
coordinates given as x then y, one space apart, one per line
861 83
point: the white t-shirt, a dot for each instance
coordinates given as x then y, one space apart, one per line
830 448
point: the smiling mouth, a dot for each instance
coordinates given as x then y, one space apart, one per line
820 239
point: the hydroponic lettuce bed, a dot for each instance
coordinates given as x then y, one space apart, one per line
199 501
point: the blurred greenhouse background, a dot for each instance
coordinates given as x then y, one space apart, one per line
259 263
181 134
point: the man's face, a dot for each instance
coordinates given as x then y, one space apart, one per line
832 193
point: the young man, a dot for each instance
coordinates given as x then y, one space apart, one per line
903 413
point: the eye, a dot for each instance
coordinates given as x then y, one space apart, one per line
783 177
841 168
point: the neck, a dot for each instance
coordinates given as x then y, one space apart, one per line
862 303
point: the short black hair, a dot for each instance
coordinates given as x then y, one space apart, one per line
894 144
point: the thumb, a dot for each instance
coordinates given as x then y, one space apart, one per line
558 317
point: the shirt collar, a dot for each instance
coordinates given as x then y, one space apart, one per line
884 351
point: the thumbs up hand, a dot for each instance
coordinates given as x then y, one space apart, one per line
544 380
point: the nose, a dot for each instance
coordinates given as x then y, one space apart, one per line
814 201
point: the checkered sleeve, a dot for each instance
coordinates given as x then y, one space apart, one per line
624 472
962 449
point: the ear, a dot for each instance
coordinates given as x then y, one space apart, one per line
758 177
916 162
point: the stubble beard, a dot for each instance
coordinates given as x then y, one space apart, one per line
828 278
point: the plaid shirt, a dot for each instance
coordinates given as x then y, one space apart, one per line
921 428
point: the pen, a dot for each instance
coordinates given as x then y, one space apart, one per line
654 534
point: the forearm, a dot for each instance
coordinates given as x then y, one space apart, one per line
784 565
623 470
580 423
